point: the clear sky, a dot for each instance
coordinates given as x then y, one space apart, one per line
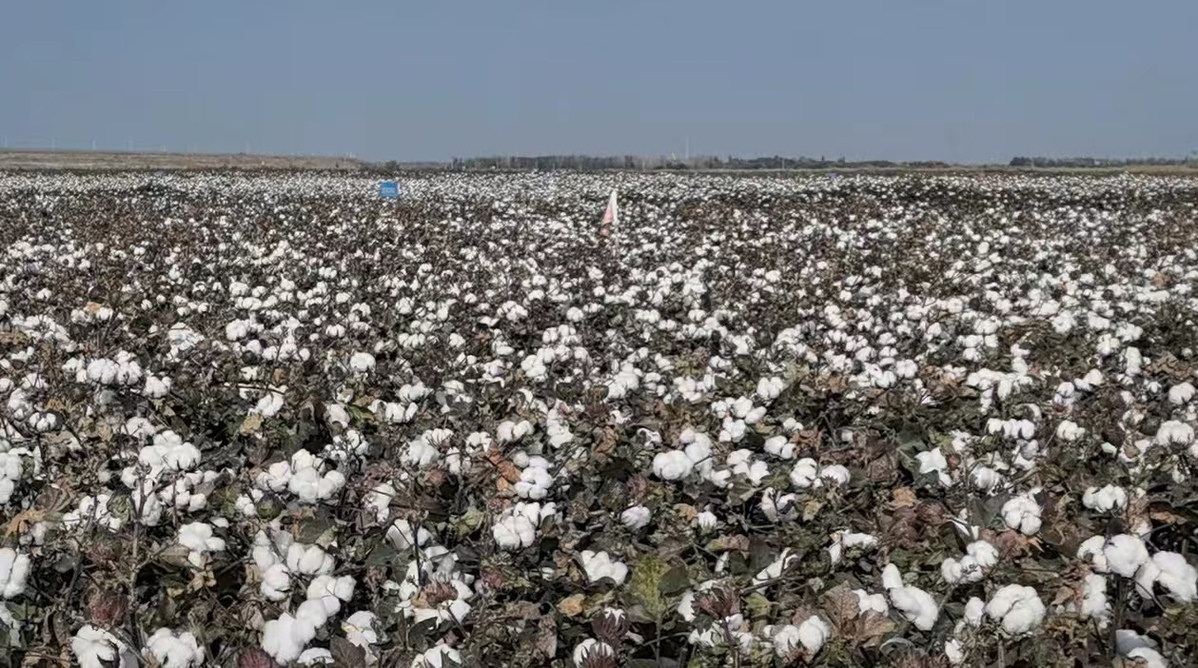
962 80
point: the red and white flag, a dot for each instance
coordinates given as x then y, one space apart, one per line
611 216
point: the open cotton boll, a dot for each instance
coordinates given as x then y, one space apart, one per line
359 630
779 446
284 638
1172 572
1140 649
315 656
1125 554
933 461
341 588
774 570
805 474
14 572
1094 603
1182 393
156 387
535 479
1105 500
308 560
1174 432
1017 608
599 565
96 648
636 517
1022 513
867 602
846 540
916 605
361 362
813 633
439 656
276 582
175 651
672 465
1091 550
786 640
513 532
198 537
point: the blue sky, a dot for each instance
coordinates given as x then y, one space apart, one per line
898 79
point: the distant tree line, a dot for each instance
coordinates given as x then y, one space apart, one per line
704 163
649 163
1191 159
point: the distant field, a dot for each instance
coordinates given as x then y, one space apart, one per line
43 159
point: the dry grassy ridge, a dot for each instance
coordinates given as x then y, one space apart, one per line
262 419
99 160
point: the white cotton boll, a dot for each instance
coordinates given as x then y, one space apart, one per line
813 633
775 568
1105 500
308 560
1125 554
707 521
588 648
805 474
175 651
276 583
535 481
14 571
1094 603
420 453
986 478
198 537
779 446
513 531
672 465
835 474
341 588
1069 431
378 501
599 565
1017 608
867 602
336 414
97 648
954 652
315 656
1091 550
156 388
1181 393
361 362
916 605
284 638
1022 513
770 388
1173 431
314 612
1142 650
933 461
1177 576
636 517
404 535
982 552
439 656
786 640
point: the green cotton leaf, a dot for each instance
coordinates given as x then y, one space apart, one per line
675 581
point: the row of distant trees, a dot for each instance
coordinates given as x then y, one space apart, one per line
647 163
640 162
1191 159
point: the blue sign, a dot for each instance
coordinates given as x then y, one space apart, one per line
389 190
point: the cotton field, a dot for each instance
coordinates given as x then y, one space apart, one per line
272 420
